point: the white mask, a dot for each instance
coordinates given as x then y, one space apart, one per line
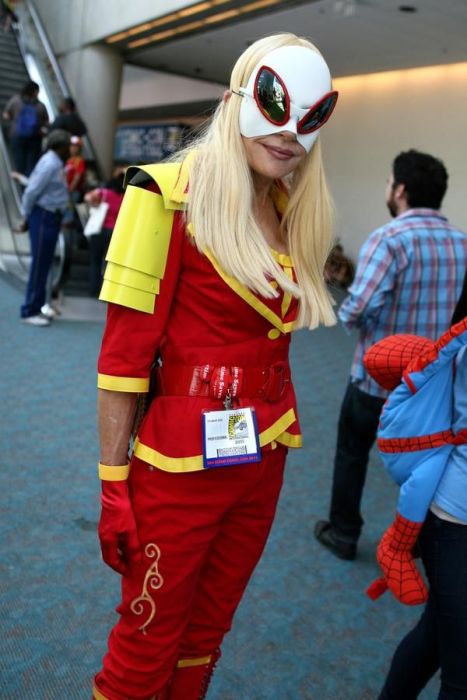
298 78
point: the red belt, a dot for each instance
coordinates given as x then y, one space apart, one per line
267 383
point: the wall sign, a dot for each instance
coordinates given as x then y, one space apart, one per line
147 143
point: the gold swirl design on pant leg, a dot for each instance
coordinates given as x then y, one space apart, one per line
152 581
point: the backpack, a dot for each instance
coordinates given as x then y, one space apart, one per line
27 121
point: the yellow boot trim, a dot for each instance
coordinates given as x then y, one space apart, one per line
201 661
97 695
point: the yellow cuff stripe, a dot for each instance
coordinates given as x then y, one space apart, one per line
201 661
97 695
113 473
136 385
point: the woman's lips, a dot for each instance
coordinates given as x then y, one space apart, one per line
279 153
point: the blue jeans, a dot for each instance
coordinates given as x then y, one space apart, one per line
439 639
44 227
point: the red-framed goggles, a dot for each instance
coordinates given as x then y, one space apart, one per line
274 103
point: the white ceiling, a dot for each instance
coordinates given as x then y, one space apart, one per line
374 37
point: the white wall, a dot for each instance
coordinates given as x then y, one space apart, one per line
148 88
376 117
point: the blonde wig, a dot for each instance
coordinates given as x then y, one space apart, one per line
220 205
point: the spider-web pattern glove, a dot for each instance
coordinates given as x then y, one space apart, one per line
117 527
394 555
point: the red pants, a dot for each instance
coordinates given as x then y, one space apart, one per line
202 534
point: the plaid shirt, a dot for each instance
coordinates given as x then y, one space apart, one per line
408 279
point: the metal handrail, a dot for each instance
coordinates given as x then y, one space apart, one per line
28 11
46 44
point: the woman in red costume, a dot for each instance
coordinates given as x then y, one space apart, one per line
215 258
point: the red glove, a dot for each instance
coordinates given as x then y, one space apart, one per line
394 555
117 527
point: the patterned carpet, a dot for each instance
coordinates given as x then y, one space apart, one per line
304 631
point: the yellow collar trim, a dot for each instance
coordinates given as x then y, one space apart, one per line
280 197
282 258
250 298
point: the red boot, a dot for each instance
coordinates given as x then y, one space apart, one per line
192 676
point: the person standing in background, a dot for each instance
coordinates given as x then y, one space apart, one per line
69 119
75 169
43 203
112 195
28 120
408 279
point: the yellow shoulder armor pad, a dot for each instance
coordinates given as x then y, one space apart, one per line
138 251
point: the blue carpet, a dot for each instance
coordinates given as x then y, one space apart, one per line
304 631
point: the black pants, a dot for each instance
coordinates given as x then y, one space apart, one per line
358 423
26 152
439 639
98 245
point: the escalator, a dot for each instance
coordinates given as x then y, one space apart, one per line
25 54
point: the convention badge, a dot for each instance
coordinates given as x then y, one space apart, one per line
230 437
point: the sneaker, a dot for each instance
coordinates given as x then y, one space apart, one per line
325 534
37 320
49 312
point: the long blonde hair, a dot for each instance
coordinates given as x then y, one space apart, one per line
221 199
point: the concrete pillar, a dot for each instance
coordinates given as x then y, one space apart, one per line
93 74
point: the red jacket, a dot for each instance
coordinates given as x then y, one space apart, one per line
201 316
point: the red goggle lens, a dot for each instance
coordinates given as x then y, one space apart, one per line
273 101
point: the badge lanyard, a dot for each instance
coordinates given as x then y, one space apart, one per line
230 436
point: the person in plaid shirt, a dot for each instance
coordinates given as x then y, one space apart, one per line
408 279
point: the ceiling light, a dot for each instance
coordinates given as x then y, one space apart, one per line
191 26
193 9
258 5
150 39
221 16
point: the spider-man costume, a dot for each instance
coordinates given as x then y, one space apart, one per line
416 442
